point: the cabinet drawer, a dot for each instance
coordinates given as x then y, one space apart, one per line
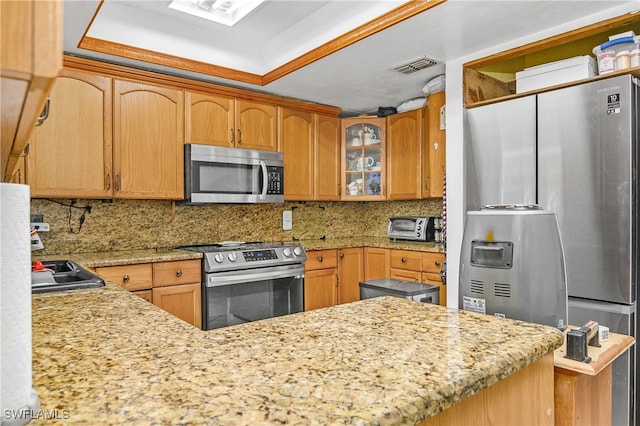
403 274
321 259
405 259
176 272
432 262
129 277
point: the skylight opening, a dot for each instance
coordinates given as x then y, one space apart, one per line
227 12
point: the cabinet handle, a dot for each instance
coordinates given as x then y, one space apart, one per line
117 182
341 255
320 259
45 113
426 183
125 278
178 273
239 136
108 181
233 136
438 263
404 260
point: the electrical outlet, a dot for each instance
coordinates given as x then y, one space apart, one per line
287 220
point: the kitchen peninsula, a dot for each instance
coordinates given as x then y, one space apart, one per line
107 356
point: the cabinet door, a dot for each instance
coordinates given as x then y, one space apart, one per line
320 288
256 126
327 158
377 263
434 279
363 159
209 120
434 150
71 152
296 143
148 141
31 58
183 301
350 274
404 138
431 266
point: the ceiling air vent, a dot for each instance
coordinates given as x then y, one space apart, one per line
417 65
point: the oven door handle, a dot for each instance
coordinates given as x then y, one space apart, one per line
215 280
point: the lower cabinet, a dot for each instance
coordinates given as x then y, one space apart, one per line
332 277
407 265
173 286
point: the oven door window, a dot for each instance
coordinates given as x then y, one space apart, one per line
227 178
251 301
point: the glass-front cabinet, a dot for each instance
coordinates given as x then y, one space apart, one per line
363 158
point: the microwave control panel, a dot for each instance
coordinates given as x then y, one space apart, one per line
275 180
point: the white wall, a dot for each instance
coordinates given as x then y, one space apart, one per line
455 137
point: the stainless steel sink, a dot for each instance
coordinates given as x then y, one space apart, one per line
66 275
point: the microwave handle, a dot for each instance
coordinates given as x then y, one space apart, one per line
265 179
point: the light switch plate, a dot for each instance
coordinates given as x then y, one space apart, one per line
287 220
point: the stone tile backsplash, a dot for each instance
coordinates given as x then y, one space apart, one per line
144 224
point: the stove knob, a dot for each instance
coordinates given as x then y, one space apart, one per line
218 258
232 257
297 251
286 252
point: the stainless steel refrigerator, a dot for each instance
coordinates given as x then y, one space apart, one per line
573 150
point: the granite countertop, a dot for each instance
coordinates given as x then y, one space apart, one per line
107 356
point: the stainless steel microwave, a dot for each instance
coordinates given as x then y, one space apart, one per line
215 174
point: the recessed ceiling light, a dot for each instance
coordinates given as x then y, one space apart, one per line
227 12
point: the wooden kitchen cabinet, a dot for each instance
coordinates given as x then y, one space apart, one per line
377 263
434 148
333 277
66 147
233 123
350 274
320 279
182 301
311 147
148 139
363 159
296 142
136 277
431 266
174 286
31 57
404 144
420 267
327 158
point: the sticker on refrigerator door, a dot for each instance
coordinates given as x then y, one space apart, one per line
613 104
474 304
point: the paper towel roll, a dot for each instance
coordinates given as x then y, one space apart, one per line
15 303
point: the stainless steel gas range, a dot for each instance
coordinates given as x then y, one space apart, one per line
243 282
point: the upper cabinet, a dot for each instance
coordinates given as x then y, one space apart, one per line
148 139
404 143
311 147
492 79
31 58
327 158
434 148
297 145
234 123
363 158
65 147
